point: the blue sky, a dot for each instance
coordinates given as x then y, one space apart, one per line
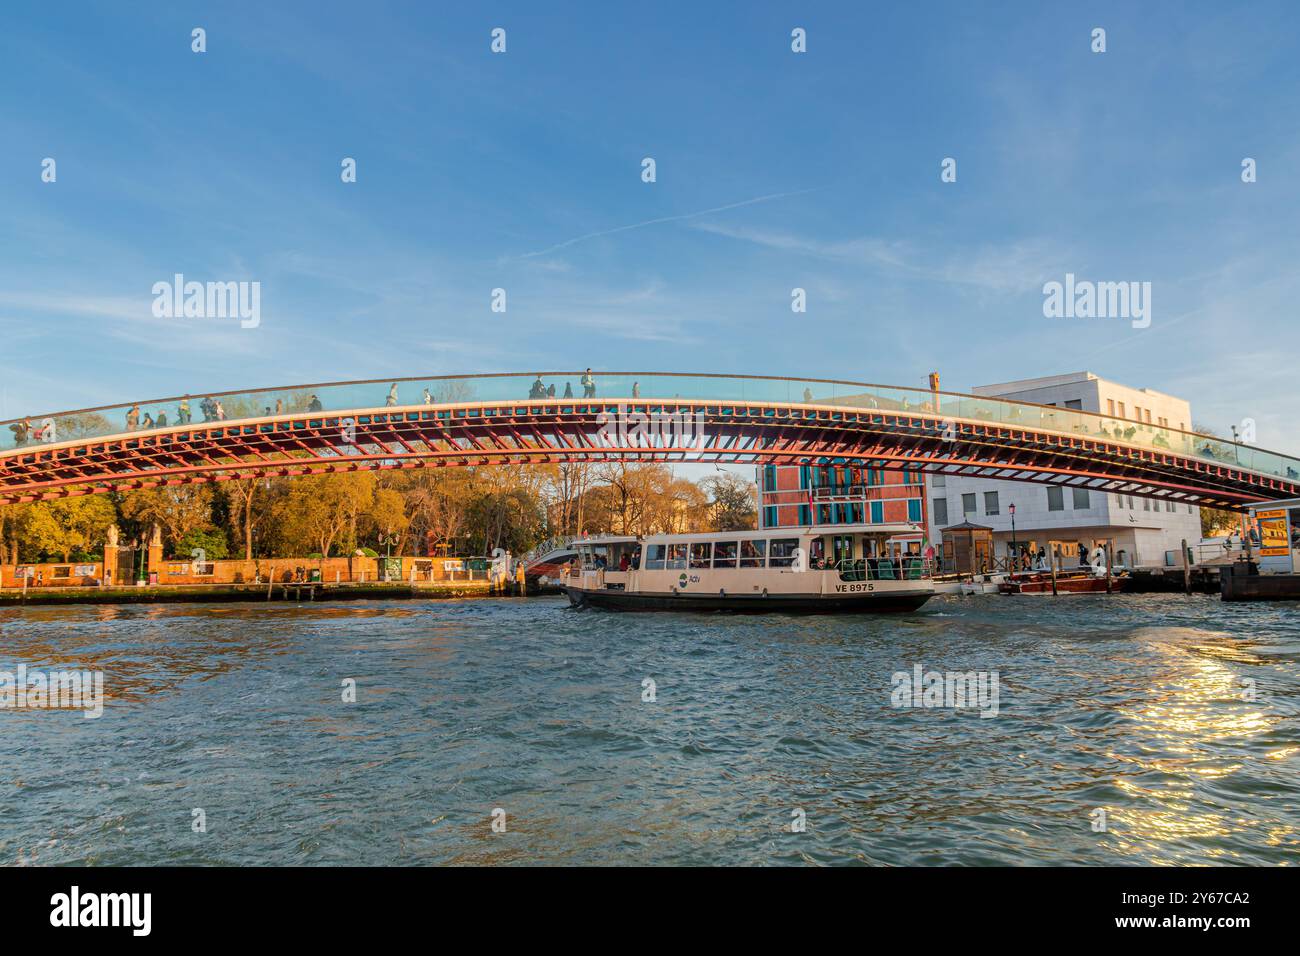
775 170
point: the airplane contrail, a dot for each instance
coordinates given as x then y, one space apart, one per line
662 219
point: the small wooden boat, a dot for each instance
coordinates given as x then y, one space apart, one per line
1068 582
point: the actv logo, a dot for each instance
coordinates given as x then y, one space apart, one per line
103 909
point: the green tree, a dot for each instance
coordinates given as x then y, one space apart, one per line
66 525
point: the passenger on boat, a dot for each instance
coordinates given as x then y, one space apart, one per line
624 563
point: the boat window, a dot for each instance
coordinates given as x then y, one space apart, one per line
654 557
752 553
781 552
724 554
700 555
676 557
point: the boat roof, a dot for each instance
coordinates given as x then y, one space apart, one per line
806 531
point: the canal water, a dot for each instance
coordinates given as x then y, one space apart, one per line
1128 730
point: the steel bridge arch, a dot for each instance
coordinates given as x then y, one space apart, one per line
485 432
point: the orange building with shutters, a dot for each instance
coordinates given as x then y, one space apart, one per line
801 495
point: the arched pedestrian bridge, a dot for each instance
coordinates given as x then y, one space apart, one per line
495 419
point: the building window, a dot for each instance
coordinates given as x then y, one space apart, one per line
769 477
911 477
1055 499
939 481
1110 407
968 505
914 509
1169 506
769 516
940 508
1146 504
805 515
1122 414
1075 403
805 476
990 502
1081 498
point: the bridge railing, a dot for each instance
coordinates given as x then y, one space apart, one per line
633 390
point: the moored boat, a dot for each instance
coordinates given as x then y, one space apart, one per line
1071 582
818 569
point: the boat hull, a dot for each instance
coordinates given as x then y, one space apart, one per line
880 601
1042 584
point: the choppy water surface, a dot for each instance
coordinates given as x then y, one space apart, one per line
1135 704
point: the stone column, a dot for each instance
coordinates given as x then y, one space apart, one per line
155 555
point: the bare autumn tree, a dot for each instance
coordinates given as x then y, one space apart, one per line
733 502
240 494
176 509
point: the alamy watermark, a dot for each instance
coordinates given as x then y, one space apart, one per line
24 689
956 689
1084 299
633 429
209 300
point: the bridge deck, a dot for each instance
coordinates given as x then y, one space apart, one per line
483 420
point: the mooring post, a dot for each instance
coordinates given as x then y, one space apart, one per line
1187 569
1056 556
1108 549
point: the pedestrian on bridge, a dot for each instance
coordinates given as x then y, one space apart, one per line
568 390
147 422
314 405
428 399
183 411
588 385
133 418
537 389
392 396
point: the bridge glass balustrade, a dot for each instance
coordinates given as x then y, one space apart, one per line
635 392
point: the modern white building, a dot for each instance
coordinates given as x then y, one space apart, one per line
1146 532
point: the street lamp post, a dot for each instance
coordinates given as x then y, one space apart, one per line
389 540
1014 552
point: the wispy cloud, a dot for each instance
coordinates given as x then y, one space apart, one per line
1005 267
